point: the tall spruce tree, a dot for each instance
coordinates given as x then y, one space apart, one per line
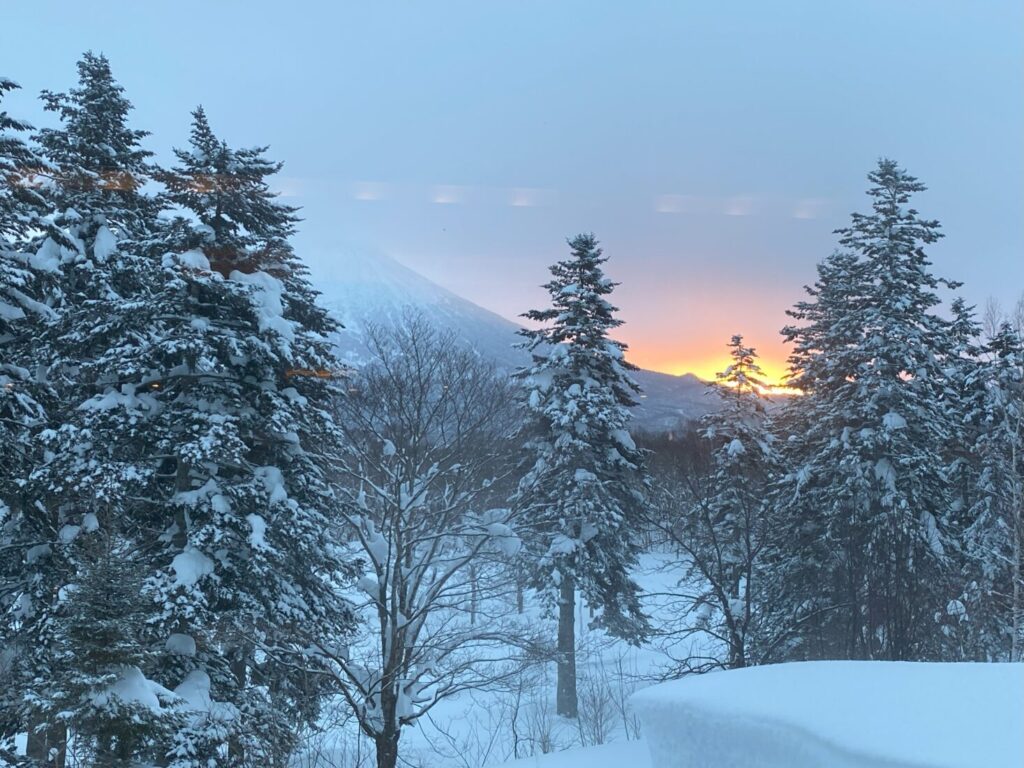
995 537
103 641
241 225
582 494
22 203
95 169
98 165
23 307
727 533
967 621
26 295
242 373
864 550
192 431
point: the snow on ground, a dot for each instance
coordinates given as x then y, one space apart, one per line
617 754
840 714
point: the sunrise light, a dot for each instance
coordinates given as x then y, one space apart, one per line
705 359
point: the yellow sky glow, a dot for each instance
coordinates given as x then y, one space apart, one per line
704 363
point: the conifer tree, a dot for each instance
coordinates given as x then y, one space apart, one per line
866 548
965 621
103 643
726 534
25 298
94 169
193 430
581 497
241 224
21 202
98 164
23 308
242 373
23 305
995 537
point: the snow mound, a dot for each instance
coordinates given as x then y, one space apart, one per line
190 566
840 714
194 691
268 302
132 687
181 644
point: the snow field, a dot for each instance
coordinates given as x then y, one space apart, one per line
839 714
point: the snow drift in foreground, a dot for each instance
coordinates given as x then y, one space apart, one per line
842 714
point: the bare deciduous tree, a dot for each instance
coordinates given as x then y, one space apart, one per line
422 485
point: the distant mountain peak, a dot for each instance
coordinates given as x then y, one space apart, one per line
363 288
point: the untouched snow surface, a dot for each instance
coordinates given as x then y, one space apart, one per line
843 714
618 754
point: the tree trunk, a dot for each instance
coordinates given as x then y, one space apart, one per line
1017 647
566 703
387 748
44 740
239 667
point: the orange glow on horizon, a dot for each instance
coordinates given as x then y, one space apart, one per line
708 369
705 368
683 325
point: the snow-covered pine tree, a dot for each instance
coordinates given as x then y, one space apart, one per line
195 430
21 201
96 168
726 534
23 397
241 369
798 550
581 497
22 312
967 621
102 642
23 309
191 429
242 226
863 553
995 538
98 164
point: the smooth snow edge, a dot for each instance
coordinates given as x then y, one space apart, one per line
685 736
842 714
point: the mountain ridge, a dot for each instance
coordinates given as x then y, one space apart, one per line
377 289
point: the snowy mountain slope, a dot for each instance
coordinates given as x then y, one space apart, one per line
377 289
667 400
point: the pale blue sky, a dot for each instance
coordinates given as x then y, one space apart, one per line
711 146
